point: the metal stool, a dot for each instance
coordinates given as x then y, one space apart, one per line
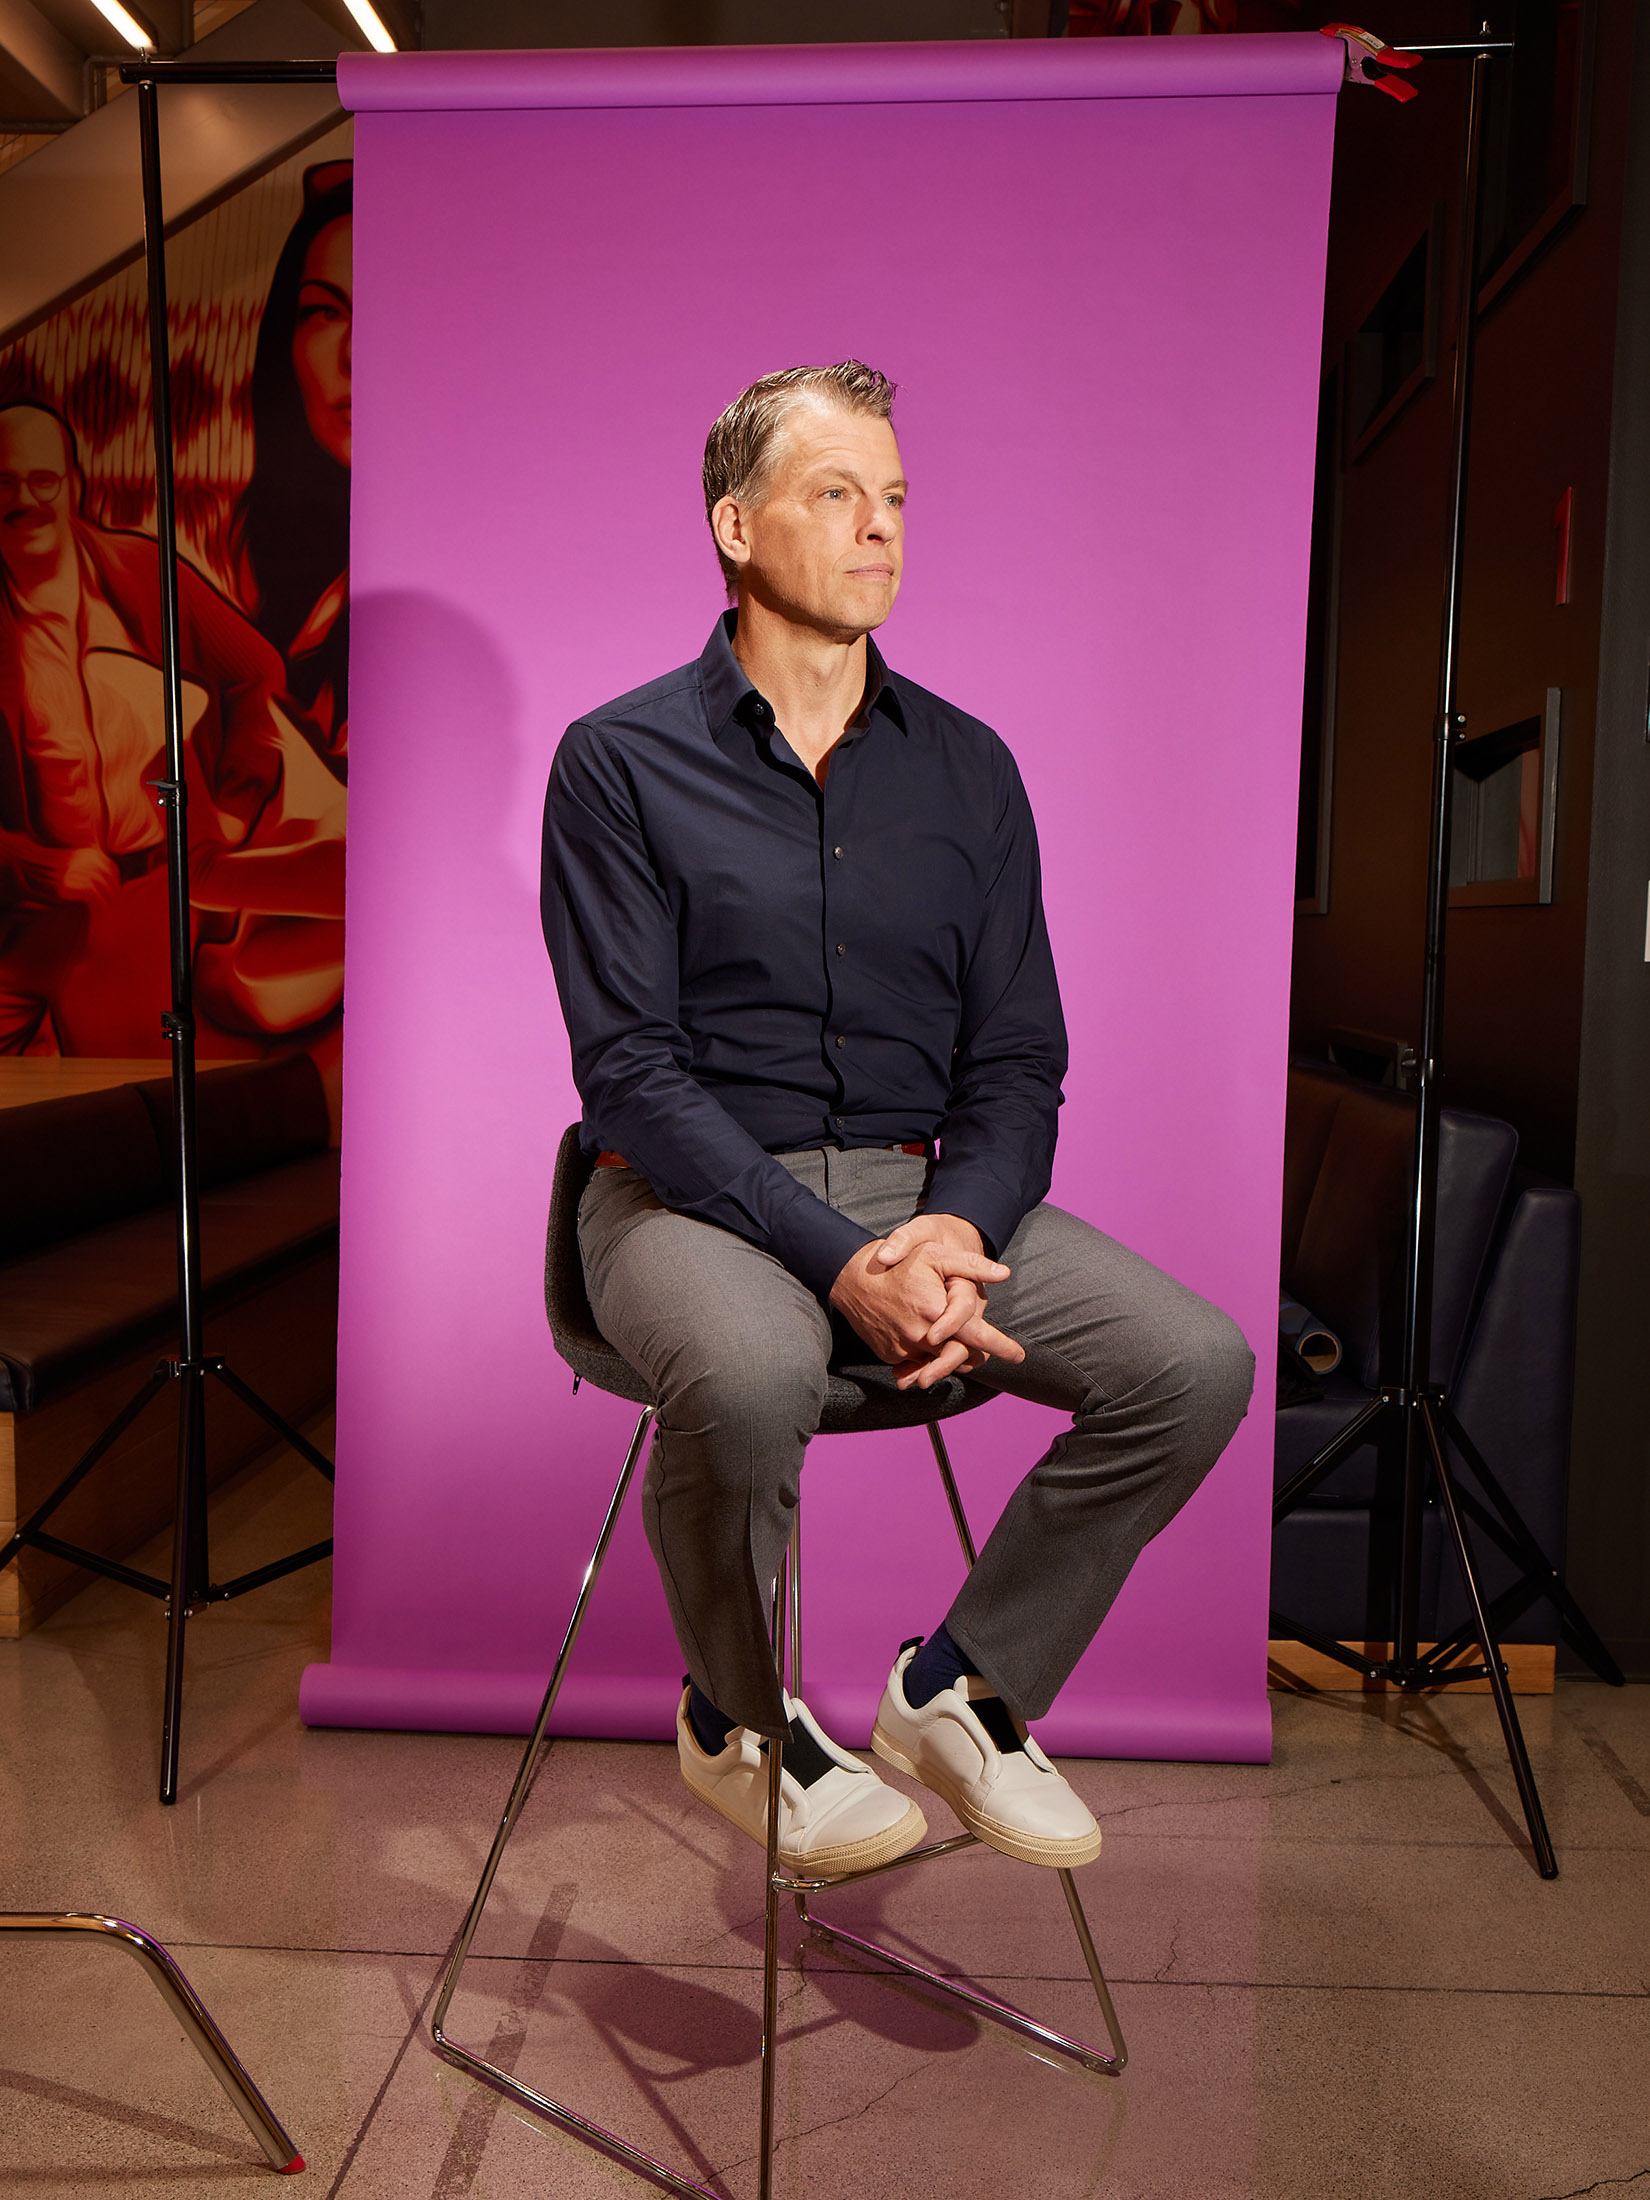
185 2004
858 1399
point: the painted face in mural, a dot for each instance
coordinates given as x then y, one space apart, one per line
826 546
37 490
321 340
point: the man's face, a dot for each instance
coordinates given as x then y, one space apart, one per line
826 547
36 487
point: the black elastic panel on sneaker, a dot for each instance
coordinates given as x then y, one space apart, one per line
805 1761
993 1715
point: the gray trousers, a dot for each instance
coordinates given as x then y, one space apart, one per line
1155 1380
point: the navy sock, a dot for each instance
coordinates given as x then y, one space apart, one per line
936 1665
710 1726
940 1662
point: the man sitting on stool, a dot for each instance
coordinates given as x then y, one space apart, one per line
794 908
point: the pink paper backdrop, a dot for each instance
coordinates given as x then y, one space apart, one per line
1097 277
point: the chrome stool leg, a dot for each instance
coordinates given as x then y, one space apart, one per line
796 1603
770 1911
478 2067
185 2004
995 2012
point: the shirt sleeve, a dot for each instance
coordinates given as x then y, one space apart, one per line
612 938
997 1138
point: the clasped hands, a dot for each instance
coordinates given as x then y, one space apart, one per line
917 1298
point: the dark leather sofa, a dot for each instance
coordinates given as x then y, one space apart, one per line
88 1282
1503 1341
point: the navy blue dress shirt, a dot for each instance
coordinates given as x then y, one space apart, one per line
750 963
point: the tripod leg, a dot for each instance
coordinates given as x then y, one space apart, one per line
266 1412
1552 1583
1511 1732
186 1539
84 1464
1300 1485
1405 1648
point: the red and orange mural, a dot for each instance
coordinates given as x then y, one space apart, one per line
261 303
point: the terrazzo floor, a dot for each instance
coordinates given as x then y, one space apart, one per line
1340 1976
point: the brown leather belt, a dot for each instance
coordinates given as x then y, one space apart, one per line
915 1146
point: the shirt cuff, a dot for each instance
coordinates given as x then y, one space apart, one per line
817 1243
977 1197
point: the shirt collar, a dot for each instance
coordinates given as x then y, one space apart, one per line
728 692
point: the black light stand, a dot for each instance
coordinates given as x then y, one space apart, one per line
1415 1407
190 1585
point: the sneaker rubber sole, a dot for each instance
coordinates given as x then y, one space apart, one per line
843 1856
1025 1848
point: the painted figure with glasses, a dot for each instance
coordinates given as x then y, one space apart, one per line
83 922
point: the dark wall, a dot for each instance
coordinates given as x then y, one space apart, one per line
1541 424
461 23
1610 1474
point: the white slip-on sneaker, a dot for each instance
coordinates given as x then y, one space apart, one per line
837 1817
999 1784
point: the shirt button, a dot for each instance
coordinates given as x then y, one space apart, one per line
842 947
839 1121
836 851
842 1042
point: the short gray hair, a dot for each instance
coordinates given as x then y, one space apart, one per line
742 447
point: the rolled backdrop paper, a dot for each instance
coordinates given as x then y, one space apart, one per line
1096 272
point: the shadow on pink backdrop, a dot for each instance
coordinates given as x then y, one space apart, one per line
1096 273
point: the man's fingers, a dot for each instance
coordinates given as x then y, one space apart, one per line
956 1260
963 1303
946 1259
924 1374
982 1337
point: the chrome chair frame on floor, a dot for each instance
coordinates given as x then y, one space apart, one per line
185 2004
860 1398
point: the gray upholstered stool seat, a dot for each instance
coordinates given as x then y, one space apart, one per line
859 1398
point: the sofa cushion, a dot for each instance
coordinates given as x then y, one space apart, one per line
1313 1095
66 1165
248 1115
1513 1398
1352 1238
1348 1264
67 1307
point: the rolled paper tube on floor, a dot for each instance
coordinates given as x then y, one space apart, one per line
1316 1344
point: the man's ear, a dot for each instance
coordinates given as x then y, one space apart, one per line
727 525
